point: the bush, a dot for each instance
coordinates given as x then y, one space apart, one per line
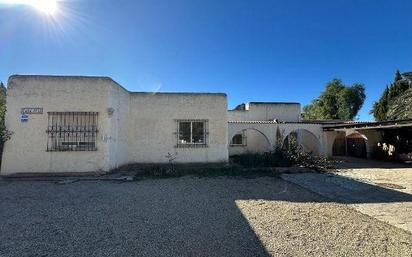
275 158
296 155
140 171
292 155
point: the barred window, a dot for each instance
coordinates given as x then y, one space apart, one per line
191 132
72 131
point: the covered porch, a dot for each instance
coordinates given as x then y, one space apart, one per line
389 140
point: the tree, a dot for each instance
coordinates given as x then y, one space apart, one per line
381 108
4 133
338 101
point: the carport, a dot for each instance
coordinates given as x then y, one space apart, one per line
382 140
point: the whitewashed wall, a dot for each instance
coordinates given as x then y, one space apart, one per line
26 151
153 126
256 111
255 142
316 142
142 127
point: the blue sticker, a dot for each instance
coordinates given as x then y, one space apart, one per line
24 118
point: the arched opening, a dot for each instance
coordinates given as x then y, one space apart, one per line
249 141
339 145
356 145
305 139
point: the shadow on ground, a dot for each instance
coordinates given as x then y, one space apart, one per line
165 217
175 217
342 189
346 162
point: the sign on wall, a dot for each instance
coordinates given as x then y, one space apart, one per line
24 118
36 110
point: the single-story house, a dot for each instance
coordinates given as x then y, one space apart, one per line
93 124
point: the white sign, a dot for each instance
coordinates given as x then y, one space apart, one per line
36 110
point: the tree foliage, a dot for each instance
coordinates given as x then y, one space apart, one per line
391 97
338 101
4 133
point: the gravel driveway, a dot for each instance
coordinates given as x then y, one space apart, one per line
186 217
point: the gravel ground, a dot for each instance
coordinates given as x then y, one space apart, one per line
186 217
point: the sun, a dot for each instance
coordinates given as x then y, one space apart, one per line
48 7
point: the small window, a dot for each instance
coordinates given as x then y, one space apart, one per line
72 131
238 140
191 133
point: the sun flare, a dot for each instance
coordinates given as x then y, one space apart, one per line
48 7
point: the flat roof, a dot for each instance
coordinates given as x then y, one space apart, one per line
271 122
111 80
337 126
293 103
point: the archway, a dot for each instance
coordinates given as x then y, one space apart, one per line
339 145
357 144
305 139
249 140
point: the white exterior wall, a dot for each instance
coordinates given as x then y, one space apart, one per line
289 112
269 129
25 152
261 111
256 142
142 127
153 126
118 141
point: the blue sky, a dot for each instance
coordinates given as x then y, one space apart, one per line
253 50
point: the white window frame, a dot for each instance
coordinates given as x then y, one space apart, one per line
191 143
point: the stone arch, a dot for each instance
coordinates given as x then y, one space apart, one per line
254 140
306 139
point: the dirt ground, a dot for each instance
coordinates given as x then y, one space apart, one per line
381 190
386 174
186 216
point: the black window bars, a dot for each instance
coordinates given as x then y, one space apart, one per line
72 131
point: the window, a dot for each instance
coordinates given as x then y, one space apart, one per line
238 140
72 131
191 132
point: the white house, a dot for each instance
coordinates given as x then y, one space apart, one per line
83 124
89 124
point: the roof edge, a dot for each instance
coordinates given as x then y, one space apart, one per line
111 80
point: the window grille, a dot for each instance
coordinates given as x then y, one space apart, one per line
192 133
72 131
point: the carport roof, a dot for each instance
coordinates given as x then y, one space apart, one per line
271 122
338 125
369 125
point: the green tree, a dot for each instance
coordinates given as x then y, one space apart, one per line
4 133
338 101
381 108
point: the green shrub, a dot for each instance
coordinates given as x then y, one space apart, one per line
141 171
290 155
296 155
275 158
